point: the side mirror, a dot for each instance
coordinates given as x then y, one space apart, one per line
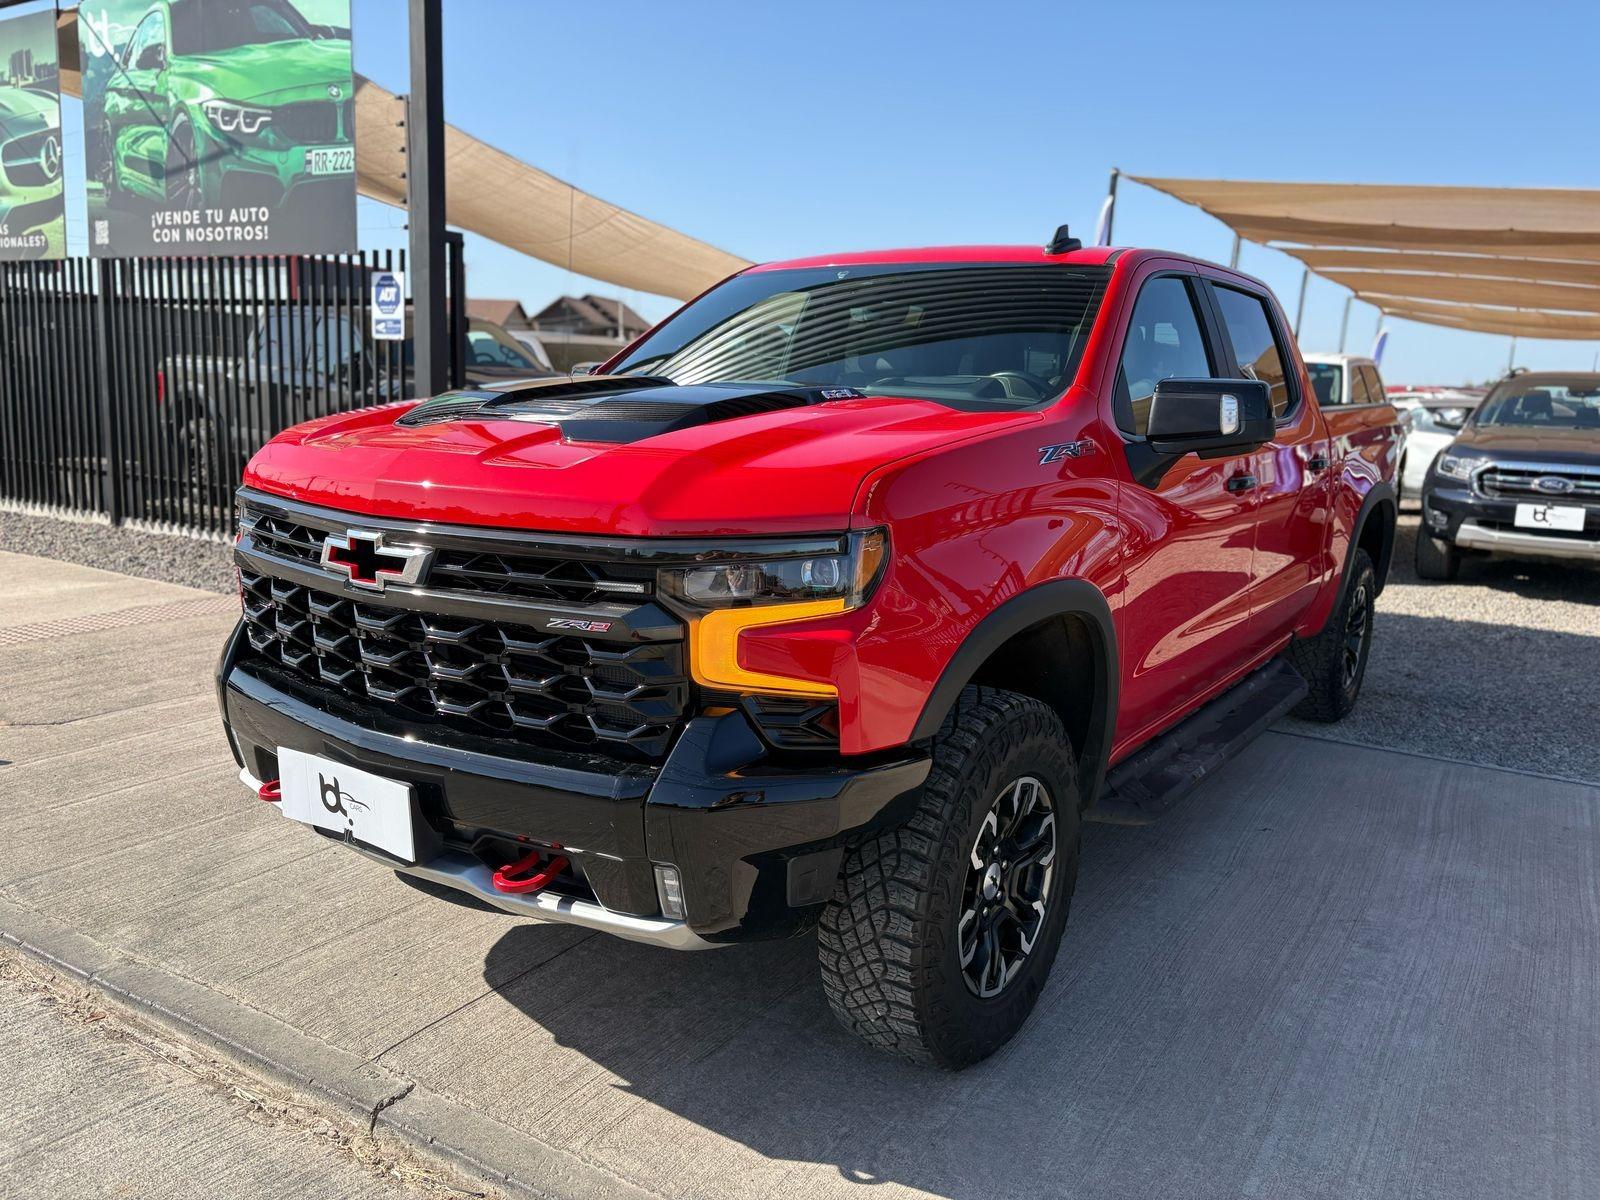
1213 418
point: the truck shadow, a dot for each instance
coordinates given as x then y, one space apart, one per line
740 1044
1293 984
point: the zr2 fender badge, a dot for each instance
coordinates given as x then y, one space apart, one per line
574 623
1054 454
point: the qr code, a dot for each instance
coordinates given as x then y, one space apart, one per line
102 233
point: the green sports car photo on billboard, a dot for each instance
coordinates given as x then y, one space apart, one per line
218 126
32 209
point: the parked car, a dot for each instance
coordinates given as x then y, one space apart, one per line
30 170
832 603
296 362
243 104
1345 379
1432 419
1523 476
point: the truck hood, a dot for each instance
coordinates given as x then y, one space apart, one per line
273 72
1569 445
661 461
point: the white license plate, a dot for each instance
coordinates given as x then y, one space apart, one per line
355 804
331 160
1563 517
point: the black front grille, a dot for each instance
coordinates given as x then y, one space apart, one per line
485 676
312 121
1554 485
511 574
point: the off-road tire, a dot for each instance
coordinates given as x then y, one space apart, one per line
1325 660
888 939
1436 560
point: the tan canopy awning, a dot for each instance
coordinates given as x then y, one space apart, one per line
489 192
1521 260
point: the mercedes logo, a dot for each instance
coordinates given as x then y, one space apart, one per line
1553 485
50 157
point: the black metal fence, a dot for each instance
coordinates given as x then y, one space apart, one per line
138 388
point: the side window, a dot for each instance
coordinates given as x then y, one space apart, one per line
148 33
1369 376
1255 348
1163 342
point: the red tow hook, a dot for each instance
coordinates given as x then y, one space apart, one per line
270 791
506 878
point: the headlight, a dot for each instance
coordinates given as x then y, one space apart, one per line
728 597
235 118
1455 466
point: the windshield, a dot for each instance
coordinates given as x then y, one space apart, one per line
484 349
1327 380
1001 336
1567 403
226 24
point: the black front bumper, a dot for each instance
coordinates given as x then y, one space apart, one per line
757 842
1453 512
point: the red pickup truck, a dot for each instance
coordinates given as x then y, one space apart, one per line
833 603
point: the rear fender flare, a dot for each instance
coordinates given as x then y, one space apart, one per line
1379 505
1058 598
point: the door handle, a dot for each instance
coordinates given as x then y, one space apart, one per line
1243 483
1317 463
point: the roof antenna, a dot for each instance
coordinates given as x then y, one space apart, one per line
1063 242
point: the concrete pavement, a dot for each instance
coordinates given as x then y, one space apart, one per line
93 1106
1334 971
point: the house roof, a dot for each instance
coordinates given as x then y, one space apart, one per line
501 312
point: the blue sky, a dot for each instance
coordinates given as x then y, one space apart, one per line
783 129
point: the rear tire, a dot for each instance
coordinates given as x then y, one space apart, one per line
1436 560
1334 662
941 932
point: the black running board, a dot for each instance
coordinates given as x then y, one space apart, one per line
1140 788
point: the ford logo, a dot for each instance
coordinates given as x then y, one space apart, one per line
1553 485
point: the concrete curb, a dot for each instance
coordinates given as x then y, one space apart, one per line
388 1104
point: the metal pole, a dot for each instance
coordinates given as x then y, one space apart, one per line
1511 359
1233 262
1344 321
425 197
458 308
113 473
1111 203
1300 309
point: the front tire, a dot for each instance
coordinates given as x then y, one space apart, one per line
182 183
1334 662
1436 560
941 932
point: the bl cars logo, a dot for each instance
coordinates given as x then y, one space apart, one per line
334 798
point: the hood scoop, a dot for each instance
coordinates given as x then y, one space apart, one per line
617 409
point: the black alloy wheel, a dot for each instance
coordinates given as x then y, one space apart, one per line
183 170
1006 895
1357 633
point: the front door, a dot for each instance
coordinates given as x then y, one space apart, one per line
1191 531
1291 471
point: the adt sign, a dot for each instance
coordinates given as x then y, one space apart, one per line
388 306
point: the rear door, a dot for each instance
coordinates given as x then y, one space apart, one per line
1291 472
1190 531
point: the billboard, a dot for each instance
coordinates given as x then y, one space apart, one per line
32 208
218 126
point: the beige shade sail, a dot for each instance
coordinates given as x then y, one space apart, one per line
1467 289
489 192
1502 257
1478 319
1536 269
